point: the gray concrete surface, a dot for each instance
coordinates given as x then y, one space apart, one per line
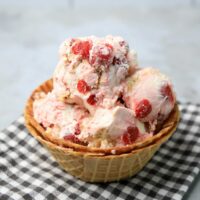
166 34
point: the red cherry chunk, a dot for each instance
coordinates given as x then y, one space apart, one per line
143 108
102 54
83 87
92 100
130 135
167 92
82 48
72 138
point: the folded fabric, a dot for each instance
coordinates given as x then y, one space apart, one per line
27 170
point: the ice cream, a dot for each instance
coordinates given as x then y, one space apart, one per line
91 70
100 97
150 95
58 118
112 127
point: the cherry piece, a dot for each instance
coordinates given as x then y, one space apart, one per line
125 138
167 92
133 133
102 54
143 108
82 48
130 135
92 100
72 138
83 87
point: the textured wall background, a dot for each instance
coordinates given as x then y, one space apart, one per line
165 35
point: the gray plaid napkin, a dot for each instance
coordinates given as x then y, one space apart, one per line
27 171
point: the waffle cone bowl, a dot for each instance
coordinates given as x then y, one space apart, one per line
97 164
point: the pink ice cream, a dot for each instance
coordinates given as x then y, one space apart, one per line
112 127
91 70
149 94
101 97
62 119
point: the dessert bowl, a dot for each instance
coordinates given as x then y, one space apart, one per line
97 164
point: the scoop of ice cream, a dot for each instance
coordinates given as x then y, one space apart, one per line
62 119
100 97
91 70
149 94
114 127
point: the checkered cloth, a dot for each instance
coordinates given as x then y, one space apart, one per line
27 170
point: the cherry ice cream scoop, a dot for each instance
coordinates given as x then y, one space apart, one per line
100 97
149 94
